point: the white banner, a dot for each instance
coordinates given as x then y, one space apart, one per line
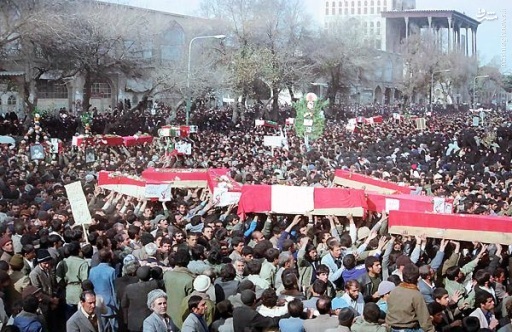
184 147
160 191
223 197
79 207
392 204
273 141
292 200
54 145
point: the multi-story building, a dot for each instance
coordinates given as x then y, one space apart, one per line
53 92
386 24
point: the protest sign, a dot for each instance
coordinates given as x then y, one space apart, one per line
79 207
273 141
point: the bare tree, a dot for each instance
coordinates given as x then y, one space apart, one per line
95 40
344 56
266 45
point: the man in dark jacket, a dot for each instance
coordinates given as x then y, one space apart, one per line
134 301
245 318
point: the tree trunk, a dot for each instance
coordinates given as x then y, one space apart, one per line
275 104
30 96
234 115
290 91
87 91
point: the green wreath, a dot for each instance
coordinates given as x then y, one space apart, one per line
303 113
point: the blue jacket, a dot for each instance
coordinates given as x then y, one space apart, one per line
102 277
28 322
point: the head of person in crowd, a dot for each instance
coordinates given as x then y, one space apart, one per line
322 273
324 305
353 288
248 297
335 248
44 259
157 302
197 305
88 302
410 274
454 273
436 312
295 308
373 266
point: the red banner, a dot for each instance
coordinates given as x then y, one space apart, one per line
463 227
360 181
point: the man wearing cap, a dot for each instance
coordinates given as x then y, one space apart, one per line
43 278
159 320
19 280
383 291
201 285
7 248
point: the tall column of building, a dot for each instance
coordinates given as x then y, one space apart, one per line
450 34
467 43
406 28
458 38
473 32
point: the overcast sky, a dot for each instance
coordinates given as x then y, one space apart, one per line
493 39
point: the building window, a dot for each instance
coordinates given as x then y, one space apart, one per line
366 7
378 28
352 9
172 43
11 101
359 7
366 28
47 89
327 8
378 44
371 29
101 90
378 6
372 4
340 9
384 5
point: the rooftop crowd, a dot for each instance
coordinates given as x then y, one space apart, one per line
187 265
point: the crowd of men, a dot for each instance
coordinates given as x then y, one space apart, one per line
187 265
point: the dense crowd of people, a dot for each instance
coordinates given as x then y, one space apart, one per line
187 265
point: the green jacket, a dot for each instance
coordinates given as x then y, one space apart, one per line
178 285
360 325
71 272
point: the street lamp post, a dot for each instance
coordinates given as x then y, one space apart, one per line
432 84
188 71
474 88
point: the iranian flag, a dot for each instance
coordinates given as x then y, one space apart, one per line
360 181
120 183
462 227
280 199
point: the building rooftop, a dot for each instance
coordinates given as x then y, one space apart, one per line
430 12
